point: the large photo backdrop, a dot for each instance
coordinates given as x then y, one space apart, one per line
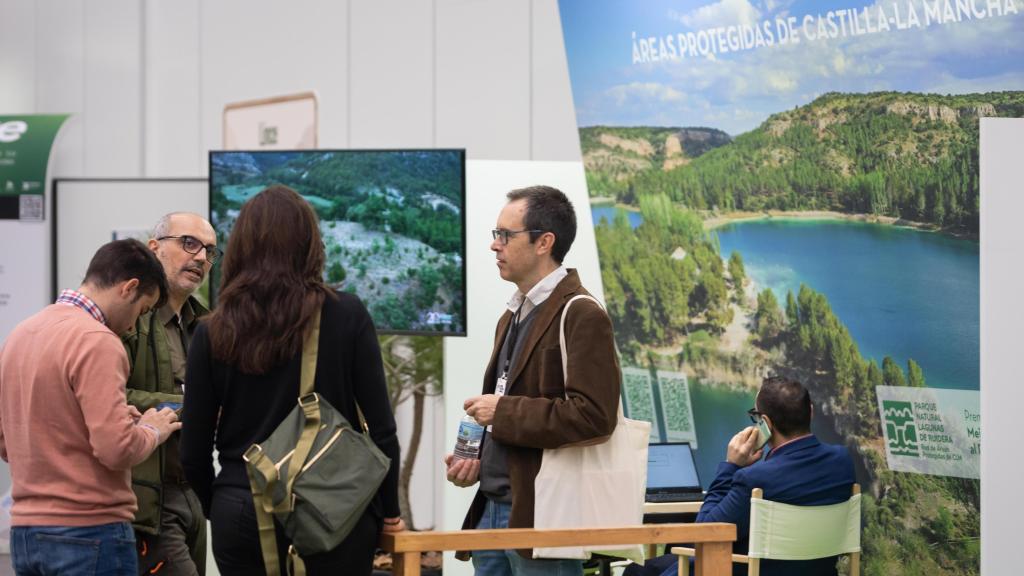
792 187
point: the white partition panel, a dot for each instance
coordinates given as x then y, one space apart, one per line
250 50
112 89
88 214
391 77
171 96
18 88
1002 395
483 77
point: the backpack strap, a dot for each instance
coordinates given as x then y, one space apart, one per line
262 501
310 403
294 563
263 498
310 348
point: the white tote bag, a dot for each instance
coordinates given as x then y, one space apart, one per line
599 486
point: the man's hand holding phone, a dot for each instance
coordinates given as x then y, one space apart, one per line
164 422
745 448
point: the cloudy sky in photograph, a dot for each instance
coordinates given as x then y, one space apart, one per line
736 91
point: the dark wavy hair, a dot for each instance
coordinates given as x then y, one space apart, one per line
271 283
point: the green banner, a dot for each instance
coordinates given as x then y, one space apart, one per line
25 143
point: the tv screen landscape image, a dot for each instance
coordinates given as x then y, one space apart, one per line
392 221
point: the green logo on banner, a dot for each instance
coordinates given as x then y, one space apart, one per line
900 428
25 143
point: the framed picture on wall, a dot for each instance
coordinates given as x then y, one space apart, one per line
88 213
277 123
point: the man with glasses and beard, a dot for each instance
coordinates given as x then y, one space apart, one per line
170 526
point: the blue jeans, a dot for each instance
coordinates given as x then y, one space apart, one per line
508 562
104 550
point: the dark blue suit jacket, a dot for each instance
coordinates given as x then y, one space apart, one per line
803 472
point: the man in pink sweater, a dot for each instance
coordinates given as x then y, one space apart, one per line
65 428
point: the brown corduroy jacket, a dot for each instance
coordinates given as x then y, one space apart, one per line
541 410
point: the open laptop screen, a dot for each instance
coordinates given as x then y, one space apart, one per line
671 466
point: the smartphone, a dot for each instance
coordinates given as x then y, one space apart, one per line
176 406
763 433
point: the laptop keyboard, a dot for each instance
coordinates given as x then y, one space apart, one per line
678 497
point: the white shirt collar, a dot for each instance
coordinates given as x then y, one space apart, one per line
539 293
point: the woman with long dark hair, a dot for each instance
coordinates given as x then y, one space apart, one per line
243 379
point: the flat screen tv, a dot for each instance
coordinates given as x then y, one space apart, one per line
392 221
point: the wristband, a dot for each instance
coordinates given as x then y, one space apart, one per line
155 431
395 523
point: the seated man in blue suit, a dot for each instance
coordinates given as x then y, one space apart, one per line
798 469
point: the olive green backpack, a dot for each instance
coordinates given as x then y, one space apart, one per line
320 500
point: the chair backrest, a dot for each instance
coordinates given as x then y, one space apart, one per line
786 532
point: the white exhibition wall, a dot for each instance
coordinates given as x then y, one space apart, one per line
146 81
1002 393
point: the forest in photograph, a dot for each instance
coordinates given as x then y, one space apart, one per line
893 154
391 222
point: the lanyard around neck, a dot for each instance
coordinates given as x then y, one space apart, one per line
513 336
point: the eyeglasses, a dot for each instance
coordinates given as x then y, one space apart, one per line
505 234
193 245
754 415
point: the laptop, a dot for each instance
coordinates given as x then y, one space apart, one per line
672 473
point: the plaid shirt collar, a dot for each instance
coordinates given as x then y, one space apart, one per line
75 298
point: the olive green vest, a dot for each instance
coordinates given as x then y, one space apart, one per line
152 382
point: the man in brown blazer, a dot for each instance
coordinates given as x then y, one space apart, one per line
526 403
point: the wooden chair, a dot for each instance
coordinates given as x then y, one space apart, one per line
786 532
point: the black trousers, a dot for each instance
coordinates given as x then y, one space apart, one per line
236 541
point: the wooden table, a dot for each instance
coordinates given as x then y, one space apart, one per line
672 507
713 542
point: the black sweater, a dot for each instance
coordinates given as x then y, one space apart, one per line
348 370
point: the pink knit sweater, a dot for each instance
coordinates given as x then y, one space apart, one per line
65 428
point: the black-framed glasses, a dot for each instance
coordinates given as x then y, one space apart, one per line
506 234
193 245
754 415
